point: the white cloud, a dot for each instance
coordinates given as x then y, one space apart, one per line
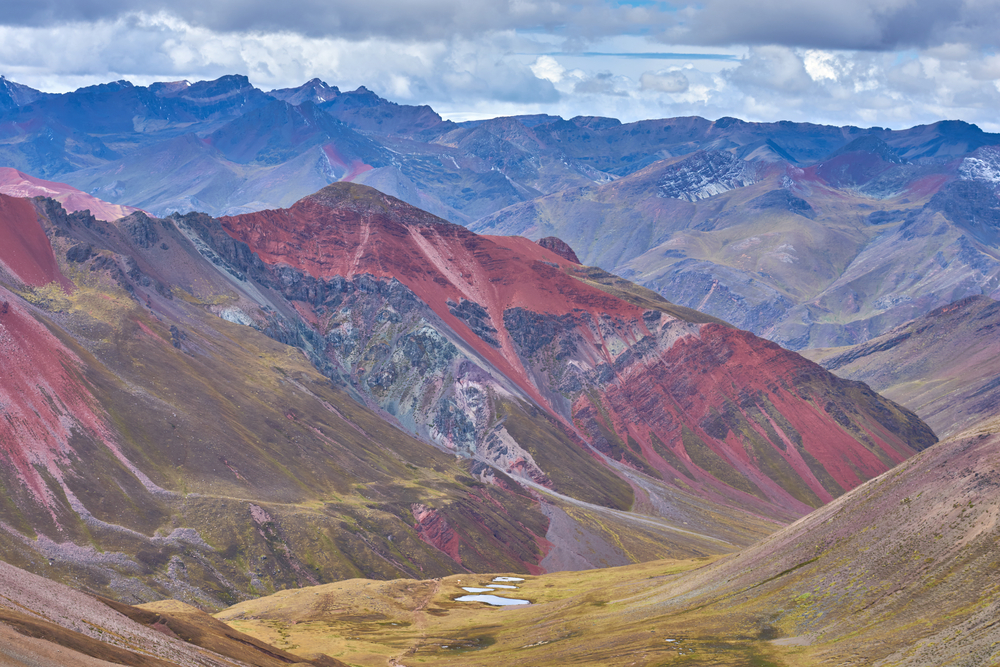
821 65
548 68
664 82
601 83
773 68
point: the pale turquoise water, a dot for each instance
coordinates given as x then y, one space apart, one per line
495 600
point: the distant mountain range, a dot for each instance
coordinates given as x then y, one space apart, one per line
830 254
808 235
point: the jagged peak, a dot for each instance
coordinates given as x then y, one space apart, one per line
313 90
18 93
112 86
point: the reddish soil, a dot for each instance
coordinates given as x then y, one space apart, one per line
559 247
24 248
42 400
354 169
347 231
927 186
433 529
697 378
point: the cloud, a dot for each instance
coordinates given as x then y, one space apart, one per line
602 83
775 68
548 68
424 20
864 88
664 82
879 25
821 24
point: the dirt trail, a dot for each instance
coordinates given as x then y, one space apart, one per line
419 624
623 516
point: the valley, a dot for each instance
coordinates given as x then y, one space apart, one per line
276 425
889 574
676 386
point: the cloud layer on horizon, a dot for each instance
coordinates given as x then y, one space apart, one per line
864 62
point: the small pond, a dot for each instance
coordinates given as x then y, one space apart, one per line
495 600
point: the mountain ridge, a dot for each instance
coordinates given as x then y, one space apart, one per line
828 193
272 426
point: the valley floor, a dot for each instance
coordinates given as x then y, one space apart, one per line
900 571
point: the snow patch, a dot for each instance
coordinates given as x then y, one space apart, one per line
984 168
236 316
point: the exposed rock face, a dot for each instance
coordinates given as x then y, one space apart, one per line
559 247
434 530
982 165
706 174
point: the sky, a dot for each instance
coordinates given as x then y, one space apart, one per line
887 63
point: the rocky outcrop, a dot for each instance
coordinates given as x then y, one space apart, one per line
559 247
705 174
434 529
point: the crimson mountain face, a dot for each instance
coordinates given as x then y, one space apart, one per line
351 385
504 327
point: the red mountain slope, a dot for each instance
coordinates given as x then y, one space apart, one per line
700 405
24 249
354 231
42 400
149 448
